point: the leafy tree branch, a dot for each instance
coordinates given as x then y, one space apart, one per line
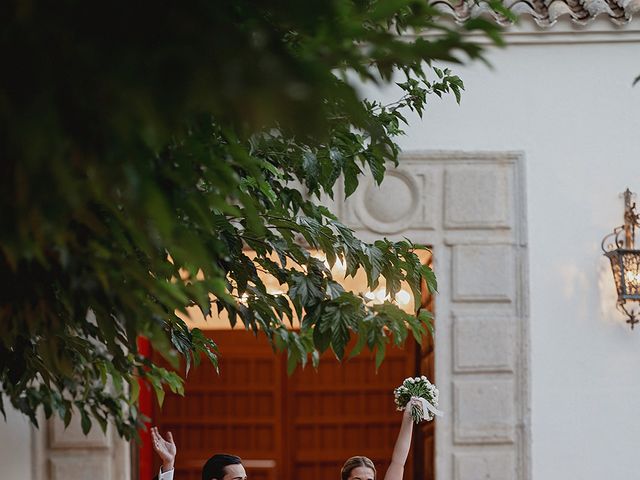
145 148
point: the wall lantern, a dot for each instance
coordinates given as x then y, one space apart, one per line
618 247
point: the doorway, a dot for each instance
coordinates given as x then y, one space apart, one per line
302 426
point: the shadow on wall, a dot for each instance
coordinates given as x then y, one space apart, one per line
576 288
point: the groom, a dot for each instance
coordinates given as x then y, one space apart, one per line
218 467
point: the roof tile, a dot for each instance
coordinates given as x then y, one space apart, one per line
544 12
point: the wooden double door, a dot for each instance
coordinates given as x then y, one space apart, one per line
302 426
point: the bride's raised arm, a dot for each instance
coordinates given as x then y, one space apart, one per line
403 444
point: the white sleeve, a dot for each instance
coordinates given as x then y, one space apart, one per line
168 475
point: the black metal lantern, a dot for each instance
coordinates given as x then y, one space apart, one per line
618 247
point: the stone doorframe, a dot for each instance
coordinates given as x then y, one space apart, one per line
68 454
471 208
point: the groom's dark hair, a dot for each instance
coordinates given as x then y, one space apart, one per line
214 468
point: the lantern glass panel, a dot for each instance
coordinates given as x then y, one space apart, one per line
626 273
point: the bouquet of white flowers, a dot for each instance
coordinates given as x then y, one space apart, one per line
421 389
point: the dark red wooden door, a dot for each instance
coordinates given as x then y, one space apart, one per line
299 427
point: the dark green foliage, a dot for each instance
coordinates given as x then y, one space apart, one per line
145 147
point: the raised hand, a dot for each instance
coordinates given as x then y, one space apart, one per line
414 402
165 449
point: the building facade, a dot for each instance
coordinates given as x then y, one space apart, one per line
513 189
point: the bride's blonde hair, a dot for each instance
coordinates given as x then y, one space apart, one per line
355 462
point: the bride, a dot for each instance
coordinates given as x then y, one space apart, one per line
362 468
230 467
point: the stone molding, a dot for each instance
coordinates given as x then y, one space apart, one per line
396 205
67 454
484 344
471 208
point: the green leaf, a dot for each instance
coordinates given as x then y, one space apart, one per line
380 353
315 358
351 172
311 168
85 422
292 363
67 417
430 278
158 389
306 289
101 419
116 378
321 338
376 263
134 390
334 289
361 342
426 318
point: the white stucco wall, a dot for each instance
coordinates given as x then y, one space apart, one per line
573 112
15 446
